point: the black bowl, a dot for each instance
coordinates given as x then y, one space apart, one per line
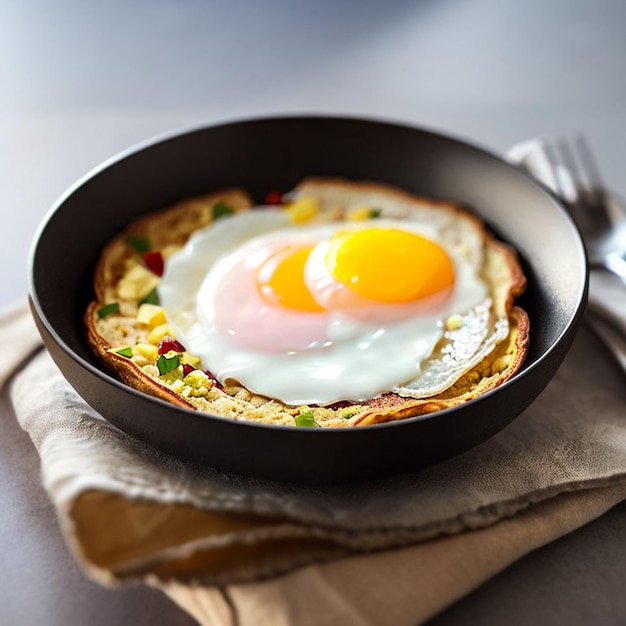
275 153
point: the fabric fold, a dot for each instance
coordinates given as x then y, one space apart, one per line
402 587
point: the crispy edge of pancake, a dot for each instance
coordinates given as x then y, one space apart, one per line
497 367
126 370
170 226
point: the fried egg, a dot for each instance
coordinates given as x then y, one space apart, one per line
329 311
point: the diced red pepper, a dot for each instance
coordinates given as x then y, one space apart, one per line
154 260
274 197
187 369
212 377
169 343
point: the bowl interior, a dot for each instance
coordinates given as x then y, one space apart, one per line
275 153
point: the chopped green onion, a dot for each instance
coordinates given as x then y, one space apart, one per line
151 298
305 420
108 309
167 364
374 213
139 243
220 209
348 414
127 352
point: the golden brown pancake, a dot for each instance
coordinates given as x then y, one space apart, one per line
127 274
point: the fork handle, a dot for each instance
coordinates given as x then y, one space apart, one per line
616 264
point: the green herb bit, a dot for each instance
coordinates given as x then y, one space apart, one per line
348 414
127 352
220 209
374 213
139 243
108 309
167 364
151 298
306 420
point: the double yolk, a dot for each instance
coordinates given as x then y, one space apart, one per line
384 265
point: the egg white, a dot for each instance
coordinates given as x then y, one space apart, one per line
351 359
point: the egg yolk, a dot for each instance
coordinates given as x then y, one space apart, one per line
389 265
385 265
281 280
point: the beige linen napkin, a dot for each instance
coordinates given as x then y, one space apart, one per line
233 550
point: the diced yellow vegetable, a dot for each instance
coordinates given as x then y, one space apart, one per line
303 209
360 213
198 392
151 315
158 332
137 283
190 359
197 378
197 384
178 385
147 350
454 322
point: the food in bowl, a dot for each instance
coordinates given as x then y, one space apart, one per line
340 303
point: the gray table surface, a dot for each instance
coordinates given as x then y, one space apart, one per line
81 81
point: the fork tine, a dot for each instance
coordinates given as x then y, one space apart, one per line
579 161
572 163
563 181
568 168
589 170
579 181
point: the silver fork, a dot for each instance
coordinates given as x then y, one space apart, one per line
570 170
